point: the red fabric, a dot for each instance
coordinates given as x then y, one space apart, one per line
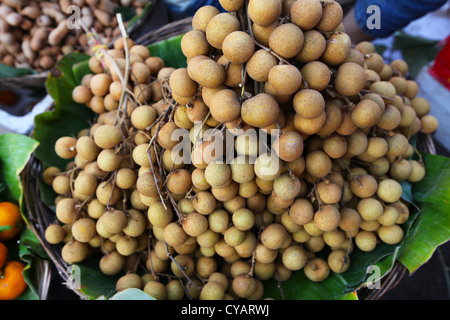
441 67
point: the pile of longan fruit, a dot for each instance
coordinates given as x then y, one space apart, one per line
220 222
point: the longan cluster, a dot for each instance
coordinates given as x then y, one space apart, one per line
230 210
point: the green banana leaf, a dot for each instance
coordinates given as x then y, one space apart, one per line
15 152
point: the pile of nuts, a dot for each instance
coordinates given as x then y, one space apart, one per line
36 34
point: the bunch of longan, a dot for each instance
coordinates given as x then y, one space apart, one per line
217 218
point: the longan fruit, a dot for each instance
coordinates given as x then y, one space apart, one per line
333 119
74 251
366 241
417 172
194 43
335 146
384 88
262 33
274 236
202 16
285 79
159 214
55 234
112 263
108 160
289 146
212 290
366 114
306 13
338 261
337 50
194 224
65 147
400 65
318 164
174 235
87 148
327 218
307 127
155 289
421 106
309 103
329 192
81 94
346 127
179 181
375 62
389 190
391 234
99 84
247 145
143 117
364 186
408 115
286 40
390 216
370 209
219 27
356 57
350 79
181 83
260 64
225 106
331 17
301 211
204 202
136 223
114 221
260 111
400 170
217 174
243 219
232 5
242 169
126 246
208 73
365 47
238 47
268 167
264 13
85 183
148 183
314 45
107 136
316 74
390 119
294 257
129 280
316 269
66 211
49 174
334 238
429 124
234 236
286 187
397 145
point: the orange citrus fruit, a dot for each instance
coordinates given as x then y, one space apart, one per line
10 216
12 282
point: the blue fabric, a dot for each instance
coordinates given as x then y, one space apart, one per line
394 14
184 8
